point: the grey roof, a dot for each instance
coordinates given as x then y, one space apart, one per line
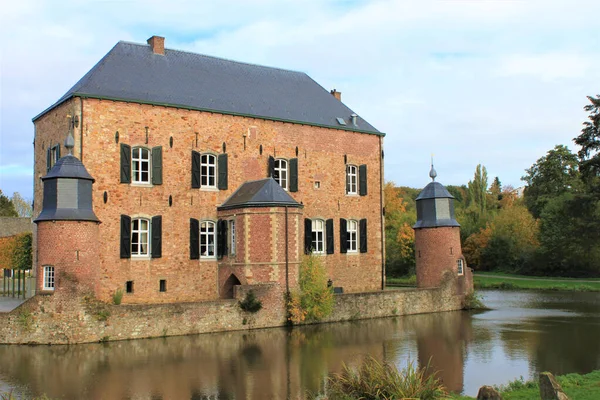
434 190
132 72
261 193
68 166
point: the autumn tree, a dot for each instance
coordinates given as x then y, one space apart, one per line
22 206
400 215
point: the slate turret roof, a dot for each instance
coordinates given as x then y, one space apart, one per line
132 72
260 193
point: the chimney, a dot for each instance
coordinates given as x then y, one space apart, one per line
336 94
158 44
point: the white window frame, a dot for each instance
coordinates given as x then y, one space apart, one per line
351 179
460 265
141 165
140 232
49 281
280 172
352 235
54 155
208 170
231 237
318 236
208 231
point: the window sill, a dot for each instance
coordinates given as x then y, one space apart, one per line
352 195
140 184
46 291
208 189
352 253
208 258
141 258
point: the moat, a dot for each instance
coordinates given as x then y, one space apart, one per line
525 333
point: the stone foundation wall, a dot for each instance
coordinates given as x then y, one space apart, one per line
73 317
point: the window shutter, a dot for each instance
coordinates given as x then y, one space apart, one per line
307 235
194 239
48 159
58 152
271 166
363 235
221 238
195 170
362 177
125 236
222 168
157 165
330 233
343 236
156 230
294 175
125 163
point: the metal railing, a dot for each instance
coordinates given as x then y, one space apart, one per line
17 283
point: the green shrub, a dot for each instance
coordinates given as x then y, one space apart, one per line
375 380
118 296
473 301
250 303
314 299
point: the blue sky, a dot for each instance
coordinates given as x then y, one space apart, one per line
491 82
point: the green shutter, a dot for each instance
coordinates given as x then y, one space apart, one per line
363 235
362 178
329 233
271 167
125 236
195 170
222 170
48 159
294 175
194 239
125 163
221 238
157 165
307 236
343 236
156 231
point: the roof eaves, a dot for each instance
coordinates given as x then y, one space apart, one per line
260 204
186 107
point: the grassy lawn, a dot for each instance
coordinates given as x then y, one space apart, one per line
489 281
580 387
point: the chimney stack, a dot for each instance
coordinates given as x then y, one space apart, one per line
336 94
158 44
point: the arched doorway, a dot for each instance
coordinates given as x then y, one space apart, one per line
227 292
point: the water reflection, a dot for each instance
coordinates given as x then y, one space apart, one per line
525 334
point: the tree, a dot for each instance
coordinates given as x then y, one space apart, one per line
21 254
314 299
7 209
478 189
22 206
589 140
550 176
400 216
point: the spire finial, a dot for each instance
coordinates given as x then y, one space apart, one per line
432 173
69 143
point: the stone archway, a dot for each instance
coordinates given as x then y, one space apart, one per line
227 292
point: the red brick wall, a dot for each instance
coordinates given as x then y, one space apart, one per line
71 247
436 251
320 158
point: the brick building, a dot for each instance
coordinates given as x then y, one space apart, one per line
211 173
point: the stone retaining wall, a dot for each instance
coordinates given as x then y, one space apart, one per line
72 317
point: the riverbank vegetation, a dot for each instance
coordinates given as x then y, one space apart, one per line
549 228
519 282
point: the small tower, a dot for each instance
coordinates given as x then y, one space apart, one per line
437 238
67 228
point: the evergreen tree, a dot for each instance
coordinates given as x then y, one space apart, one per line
7 208
589 140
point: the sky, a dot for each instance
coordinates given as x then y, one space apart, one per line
497 83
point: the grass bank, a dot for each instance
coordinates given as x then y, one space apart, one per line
519 282
580 387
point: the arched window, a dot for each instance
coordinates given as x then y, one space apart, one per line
207 239
140 165
208 168
140 237
351 179
280 173
352 237
318 234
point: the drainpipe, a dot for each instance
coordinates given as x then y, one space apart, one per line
381 213
81 131
287 278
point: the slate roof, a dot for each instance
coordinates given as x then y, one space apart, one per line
68 166
434 190
132 72
260 193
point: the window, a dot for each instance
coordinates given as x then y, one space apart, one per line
232 237
460 265
318 233
129 287
162 285
352 237
208 168
52 156
48 277
351 179
140 165
207 239
280 173
140 234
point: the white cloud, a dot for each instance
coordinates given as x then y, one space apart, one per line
547 67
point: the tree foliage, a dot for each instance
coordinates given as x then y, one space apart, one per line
400 215
314 299
589 140
21 205
478 189
7 209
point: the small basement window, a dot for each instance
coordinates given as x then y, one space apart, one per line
317 184
162 286
129 287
